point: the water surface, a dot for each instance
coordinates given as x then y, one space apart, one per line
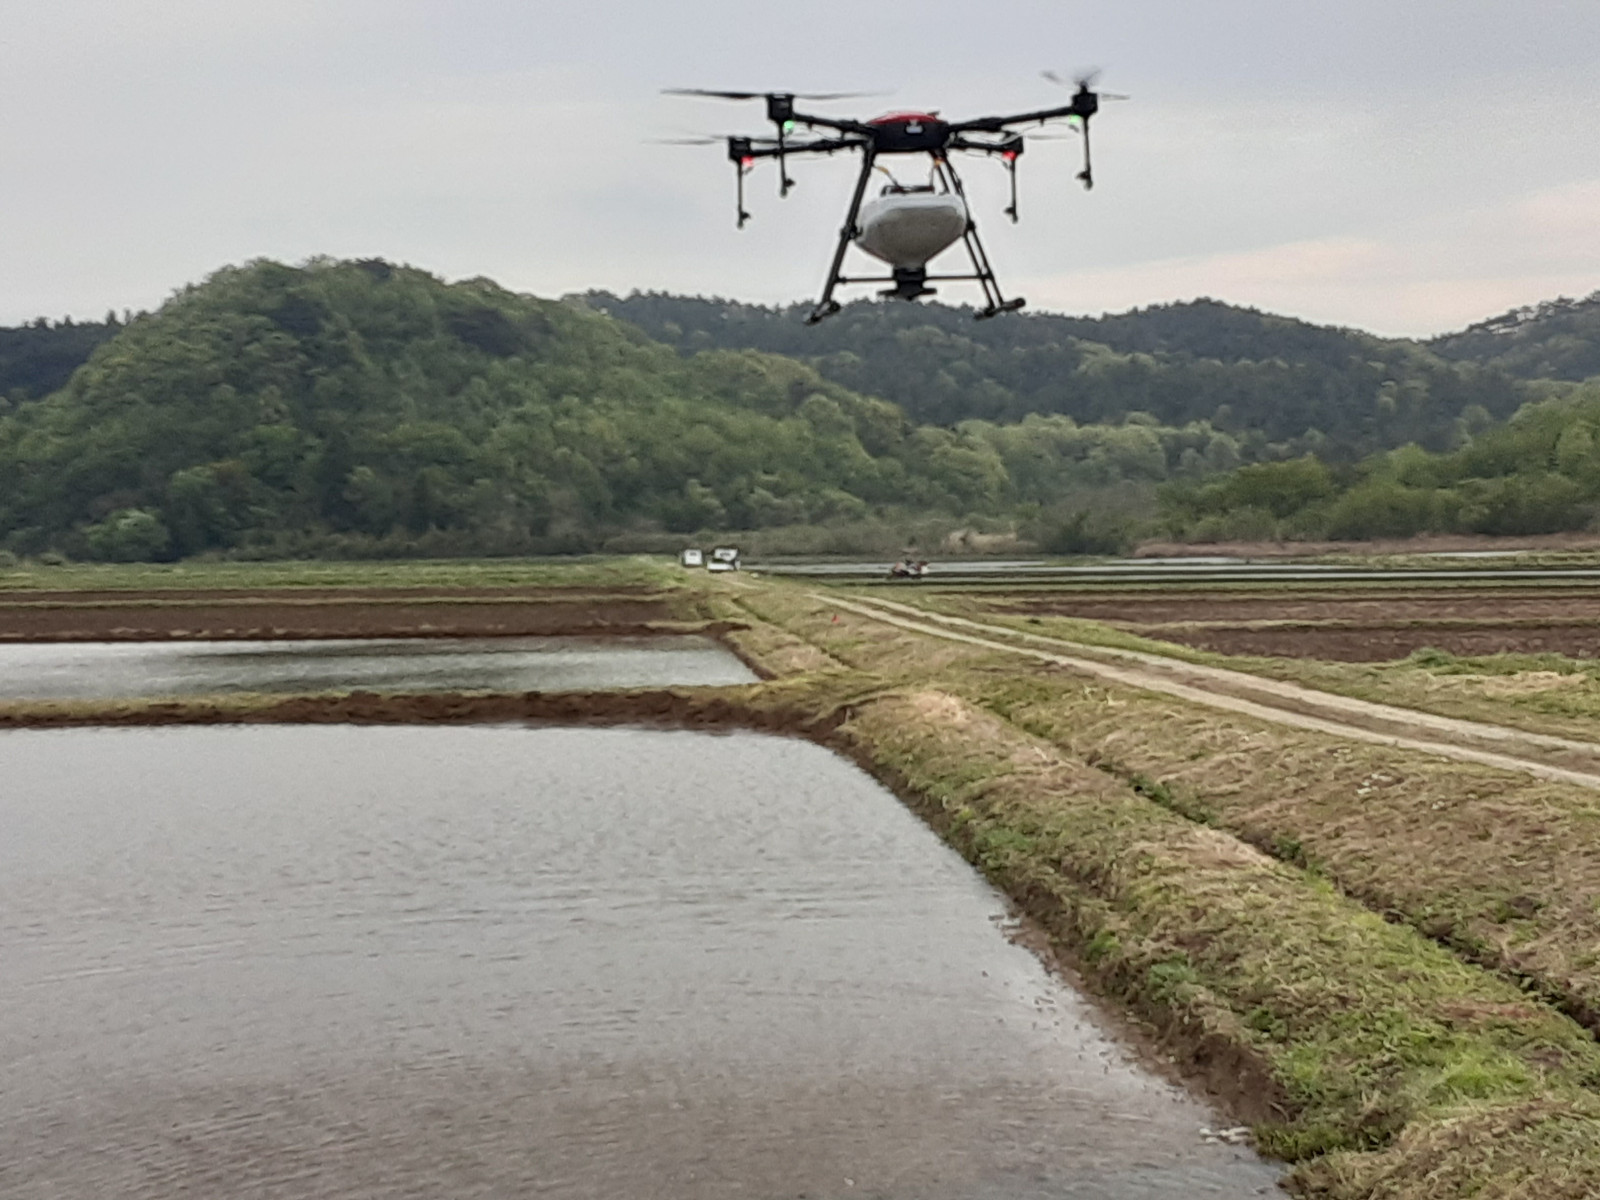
498 962
123 670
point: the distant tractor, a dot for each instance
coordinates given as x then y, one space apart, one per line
724 558
692 558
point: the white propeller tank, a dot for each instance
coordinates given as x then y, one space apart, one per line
906 229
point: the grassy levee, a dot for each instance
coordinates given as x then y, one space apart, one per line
1541 693
1503 868
1378 1060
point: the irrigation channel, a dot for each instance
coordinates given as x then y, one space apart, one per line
352 961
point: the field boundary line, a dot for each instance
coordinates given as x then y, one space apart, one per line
1267 700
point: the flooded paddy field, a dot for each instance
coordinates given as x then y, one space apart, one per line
119 670
343 962
1353 624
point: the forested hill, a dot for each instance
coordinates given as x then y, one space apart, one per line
1559 339
355 408
1339 392
362 407
37 359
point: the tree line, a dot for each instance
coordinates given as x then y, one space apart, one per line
360 408
1538 473
1291 386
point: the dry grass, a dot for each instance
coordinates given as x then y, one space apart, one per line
1541 693
1329 1027
1503 867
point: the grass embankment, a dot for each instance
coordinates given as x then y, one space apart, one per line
1382 1062
1541 693
1503 868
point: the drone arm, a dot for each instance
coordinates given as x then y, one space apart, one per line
821 146
834 123
1084 105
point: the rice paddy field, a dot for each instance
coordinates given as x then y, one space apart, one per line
1334 848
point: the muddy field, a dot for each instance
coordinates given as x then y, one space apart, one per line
1363 625
326 613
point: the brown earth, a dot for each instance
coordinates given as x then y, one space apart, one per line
1386 607
679 709
1333 625
190 595
1378 644
202 616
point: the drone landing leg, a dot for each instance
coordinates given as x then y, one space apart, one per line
994 301
827 306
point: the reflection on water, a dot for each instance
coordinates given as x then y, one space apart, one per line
116 670
496 962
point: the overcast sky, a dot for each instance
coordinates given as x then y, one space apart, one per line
1405 166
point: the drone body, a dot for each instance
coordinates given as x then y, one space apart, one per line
905 227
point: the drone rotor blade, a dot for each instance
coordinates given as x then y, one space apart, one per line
837 95
689 137
1083 80
716 95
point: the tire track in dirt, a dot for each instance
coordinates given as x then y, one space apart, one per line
1561 759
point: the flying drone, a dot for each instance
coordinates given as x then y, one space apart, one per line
905 226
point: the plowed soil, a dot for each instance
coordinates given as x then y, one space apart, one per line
1386 644
1355 626
331 613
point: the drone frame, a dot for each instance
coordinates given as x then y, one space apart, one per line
908 133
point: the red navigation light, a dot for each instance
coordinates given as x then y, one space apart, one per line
747 162
1009 155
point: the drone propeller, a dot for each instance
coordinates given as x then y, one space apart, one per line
780 111
1084 80
717 95
709 139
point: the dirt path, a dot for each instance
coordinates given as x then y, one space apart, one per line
1547 757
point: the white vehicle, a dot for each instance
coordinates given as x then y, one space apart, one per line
724 558
692 558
